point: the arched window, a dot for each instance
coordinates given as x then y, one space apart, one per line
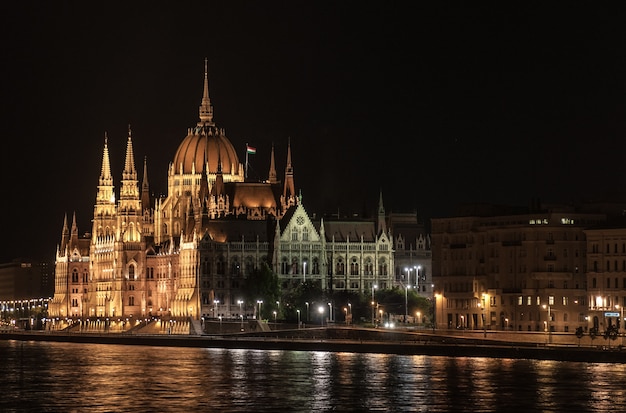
340 267
354 266
131 271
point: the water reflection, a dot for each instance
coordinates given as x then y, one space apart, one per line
46 377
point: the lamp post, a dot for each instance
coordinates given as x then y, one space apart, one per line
406 294
417 318
215 303
274 319
240 313
484 304
330 311
307 311
321 311
374 286
304 272
621 320
548 322
434 318
418 269
298 311
260 303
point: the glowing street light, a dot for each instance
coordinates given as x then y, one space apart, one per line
321 311
260 303
374 286
298 311
307 311
330 312
548 322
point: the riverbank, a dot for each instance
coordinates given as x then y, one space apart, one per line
345 340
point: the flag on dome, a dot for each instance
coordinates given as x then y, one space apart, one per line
250 149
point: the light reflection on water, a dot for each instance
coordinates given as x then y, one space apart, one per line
68 377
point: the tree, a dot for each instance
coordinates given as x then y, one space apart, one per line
610 333
579 334
263 285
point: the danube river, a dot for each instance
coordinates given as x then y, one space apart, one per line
75 377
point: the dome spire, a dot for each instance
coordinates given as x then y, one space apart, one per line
206 110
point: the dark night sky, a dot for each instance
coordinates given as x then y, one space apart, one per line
433 105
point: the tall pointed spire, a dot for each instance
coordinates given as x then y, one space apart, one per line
105 183
272 174
289 191
105 175
206 110
145 186
65 234
129 163
130 184
382 223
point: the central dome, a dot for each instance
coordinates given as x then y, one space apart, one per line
206 143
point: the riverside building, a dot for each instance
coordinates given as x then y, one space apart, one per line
541 269
187 254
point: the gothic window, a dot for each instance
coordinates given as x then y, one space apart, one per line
235 268
305 234
354 266
382 267
249 266
131 271
284 266
294 266
340 267
221 267
131 300
316 266
75 275
369 267
294 234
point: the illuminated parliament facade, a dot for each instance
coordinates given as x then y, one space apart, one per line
188 253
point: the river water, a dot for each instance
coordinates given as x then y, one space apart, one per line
73 377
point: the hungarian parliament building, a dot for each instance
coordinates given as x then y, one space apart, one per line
187 254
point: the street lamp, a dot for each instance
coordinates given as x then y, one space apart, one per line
215 303
304 272
548 322
260 303
307 311
374 286
406 293
436 297
274 319
418 318
321 311
484 304
621 320
345 310
298 311
330 312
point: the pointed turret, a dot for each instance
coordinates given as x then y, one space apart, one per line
65 235
206 110
272 174
130 184
105 183
145 186
382 223
289 191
